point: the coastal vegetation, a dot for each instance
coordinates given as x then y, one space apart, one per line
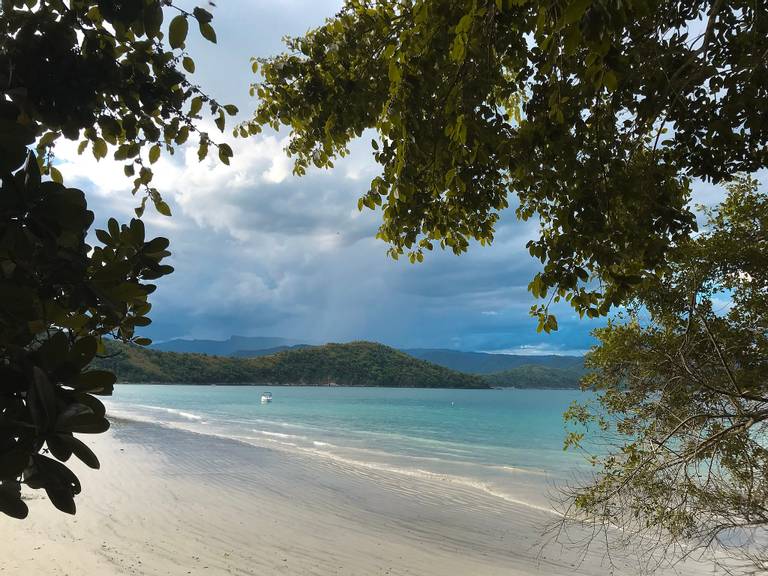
353 364
683 386
98 72
536 376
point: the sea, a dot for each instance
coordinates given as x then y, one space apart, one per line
491 440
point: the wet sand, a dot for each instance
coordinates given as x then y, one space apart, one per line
171 502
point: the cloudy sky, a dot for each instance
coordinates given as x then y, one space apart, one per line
259 252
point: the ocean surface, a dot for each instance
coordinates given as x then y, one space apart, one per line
493 440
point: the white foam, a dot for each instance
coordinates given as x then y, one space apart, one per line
175 411
280 435
277 423
520 470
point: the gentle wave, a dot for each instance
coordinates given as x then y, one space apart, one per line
277 423
435 476
182 413
520 470
279 434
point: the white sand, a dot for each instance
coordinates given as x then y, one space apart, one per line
174 503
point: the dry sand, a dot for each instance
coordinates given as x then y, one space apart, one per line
169 502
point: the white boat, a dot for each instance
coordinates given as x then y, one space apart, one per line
266 397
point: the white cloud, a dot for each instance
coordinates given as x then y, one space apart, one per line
539 350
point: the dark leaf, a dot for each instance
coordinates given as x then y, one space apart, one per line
11 503
177 31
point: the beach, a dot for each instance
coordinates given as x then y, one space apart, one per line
176 502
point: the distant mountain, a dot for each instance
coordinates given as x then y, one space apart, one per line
224 347
353 364
266 351
485 363
532 376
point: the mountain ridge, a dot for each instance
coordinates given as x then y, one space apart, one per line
487 363
223 347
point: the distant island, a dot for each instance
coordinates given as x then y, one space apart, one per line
352 364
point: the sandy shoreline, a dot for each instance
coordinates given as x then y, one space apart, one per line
169 502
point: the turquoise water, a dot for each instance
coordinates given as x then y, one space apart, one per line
488 437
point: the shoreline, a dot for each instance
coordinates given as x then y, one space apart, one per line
168 501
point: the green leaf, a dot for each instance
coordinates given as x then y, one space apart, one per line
575 10
177 31
231 109
58 448
94 381
104 237
154 153
99 148
163 208
220 121
189 64
11 503
202 151
153 19
207 31
225 153
182 135
195 105
113 227
48 138
139 210
82 422
56 175
60 484
79 449
202 15
42 399
610 81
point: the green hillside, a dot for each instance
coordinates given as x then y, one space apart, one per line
353 364
533 376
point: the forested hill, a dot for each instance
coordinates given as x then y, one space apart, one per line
536 376
353 364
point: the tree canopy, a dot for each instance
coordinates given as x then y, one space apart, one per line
98 71
683 397
596 118
596 115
